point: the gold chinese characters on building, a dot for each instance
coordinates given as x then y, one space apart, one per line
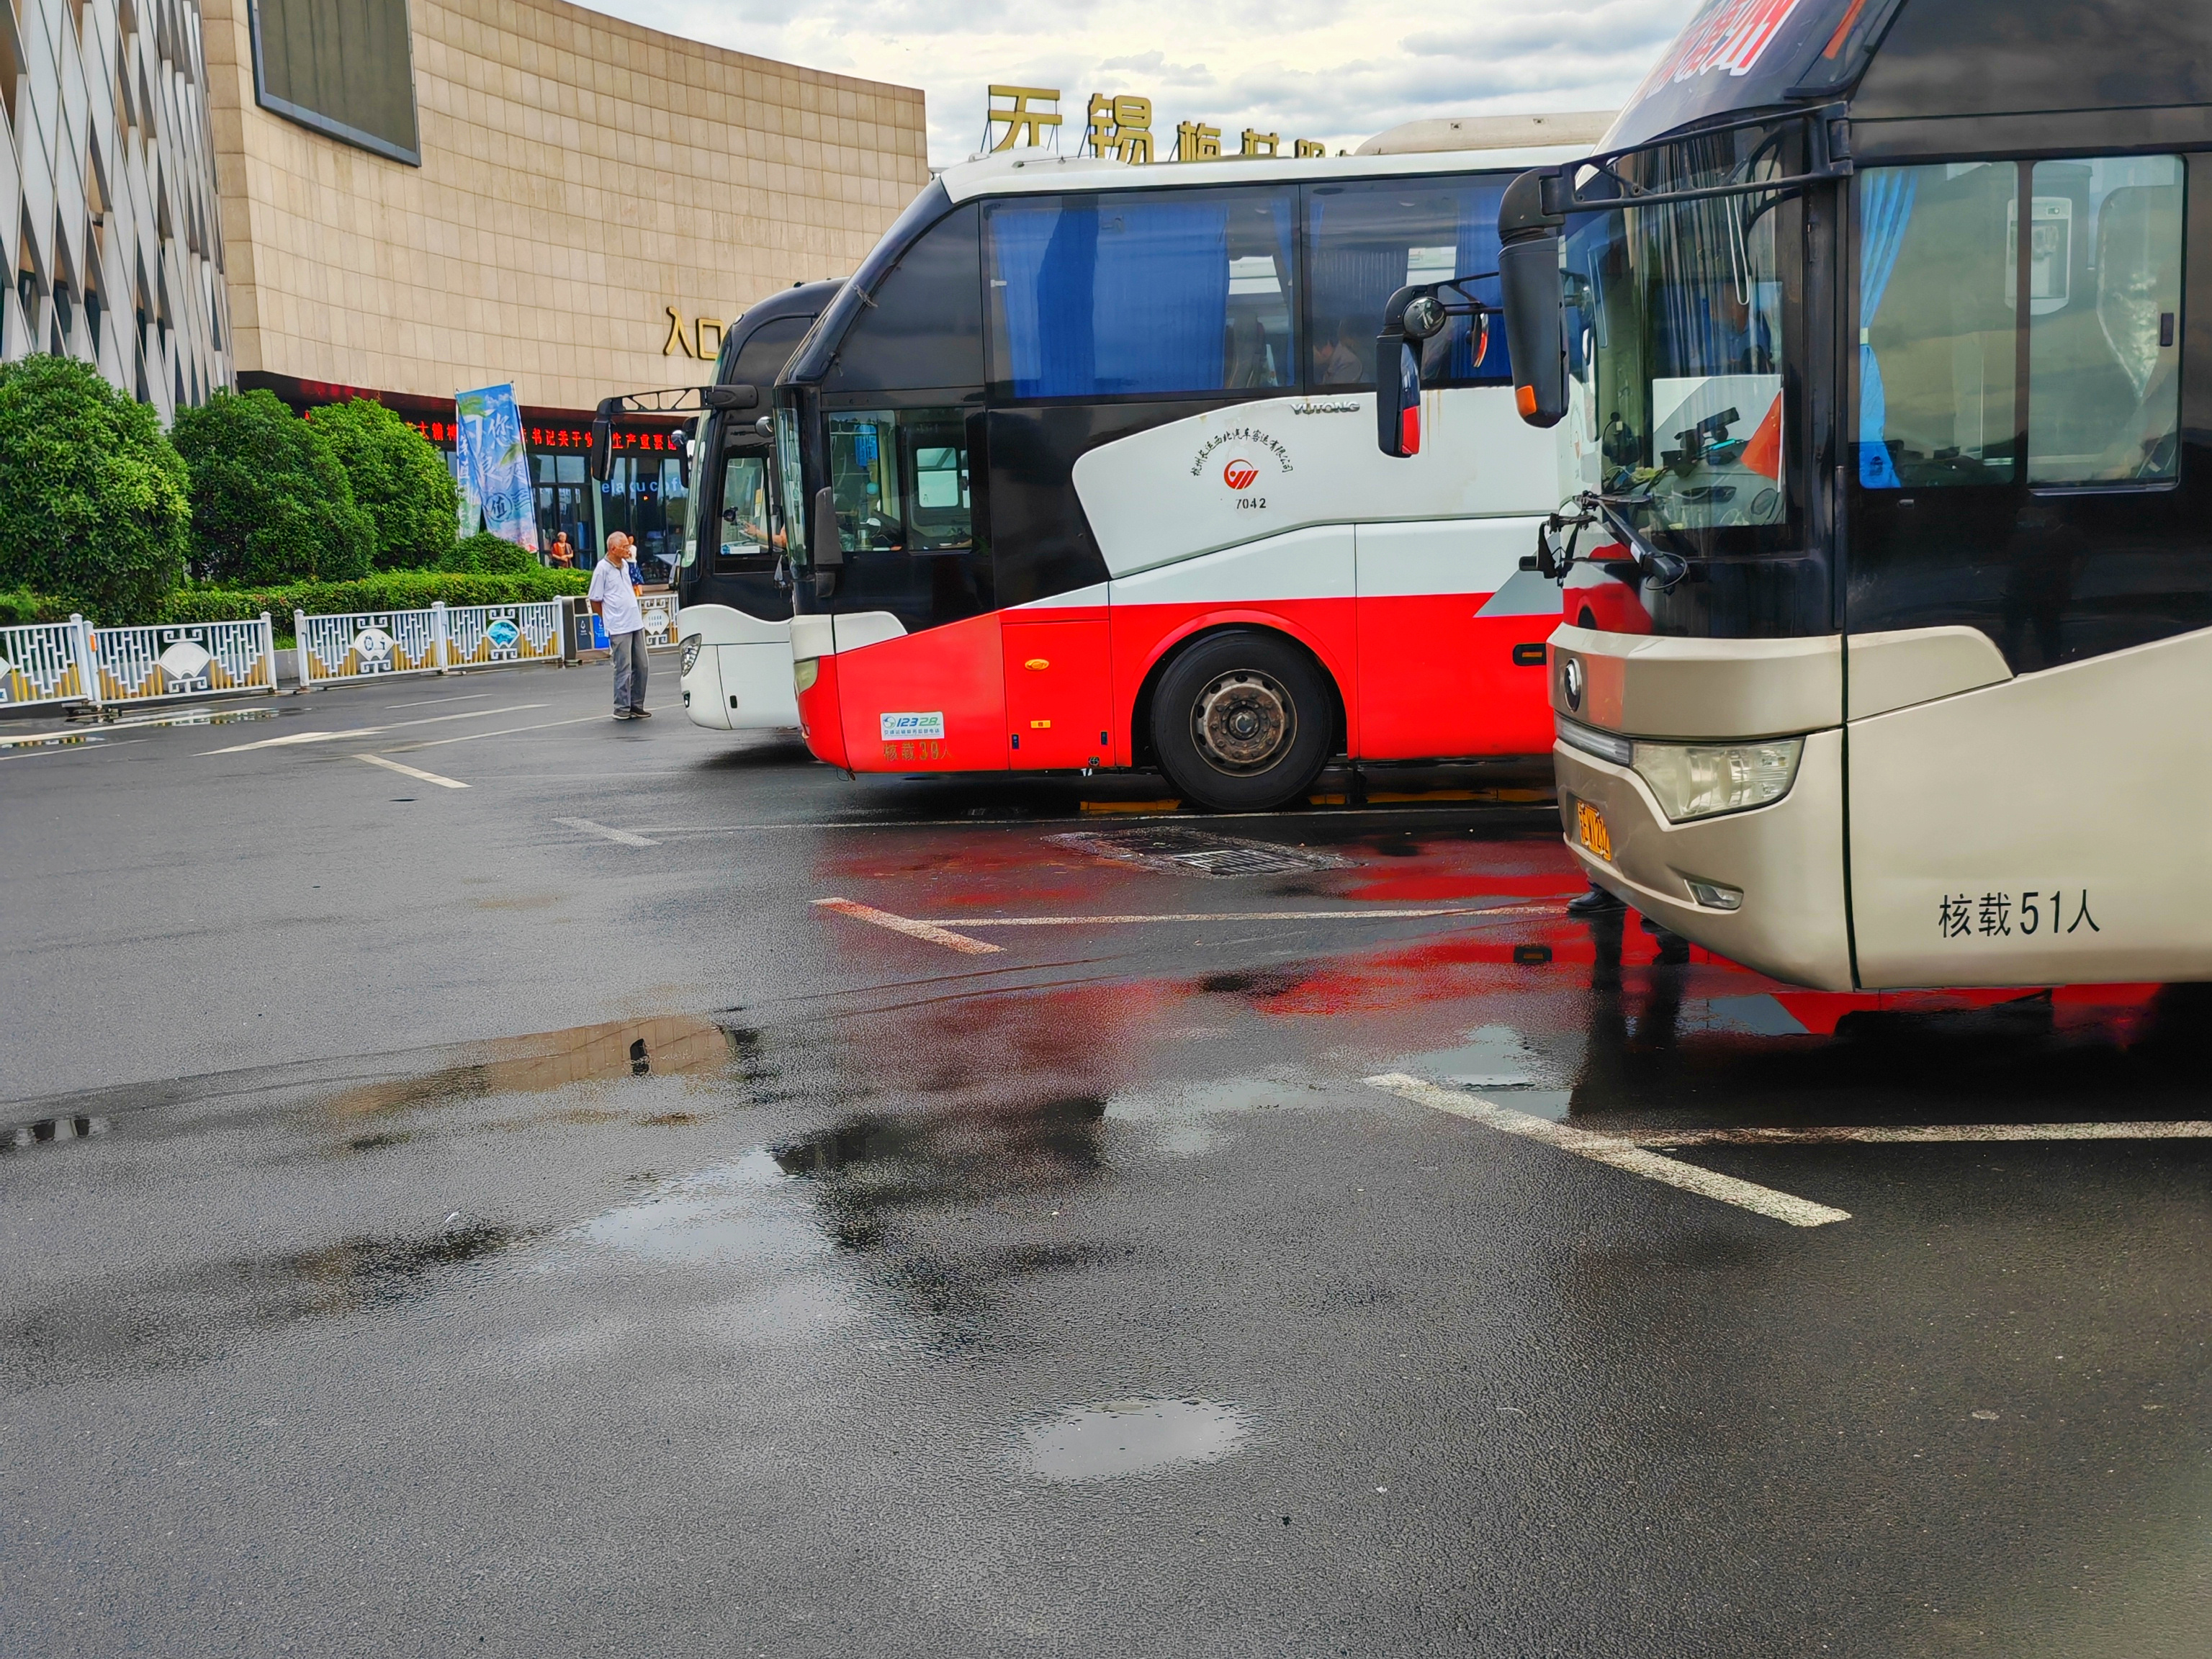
1117 126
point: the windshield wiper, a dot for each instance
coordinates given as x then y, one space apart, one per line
1554 555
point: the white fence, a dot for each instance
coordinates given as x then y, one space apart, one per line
47 662
73 662
364 644
185 659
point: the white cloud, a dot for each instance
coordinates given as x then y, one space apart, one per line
1338 70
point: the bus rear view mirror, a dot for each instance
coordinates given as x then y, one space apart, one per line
1398 397
600 458
730 396
1535 327
825 550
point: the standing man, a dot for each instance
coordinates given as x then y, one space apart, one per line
614 602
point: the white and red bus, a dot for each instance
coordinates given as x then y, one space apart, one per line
1085 451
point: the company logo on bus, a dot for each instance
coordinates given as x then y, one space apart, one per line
1240 475
1571 683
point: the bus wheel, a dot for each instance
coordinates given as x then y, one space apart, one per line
1241 722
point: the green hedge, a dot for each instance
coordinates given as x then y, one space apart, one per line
399 590
21 605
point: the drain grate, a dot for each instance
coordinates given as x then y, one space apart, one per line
1179 852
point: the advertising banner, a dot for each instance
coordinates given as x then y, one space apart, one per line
494 464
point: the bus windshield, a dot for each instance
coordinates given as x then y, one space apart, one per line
1676 335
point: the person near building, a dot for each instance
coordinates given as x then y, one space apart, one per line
561 554
614 602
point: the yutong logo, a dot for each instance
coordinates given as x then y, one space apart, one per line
1240 475
1571 683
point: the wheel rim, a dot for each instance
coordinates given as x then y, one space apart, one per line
1244 722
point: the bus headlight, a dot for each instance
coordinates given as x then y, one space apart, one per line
691 643
1699 780
804 672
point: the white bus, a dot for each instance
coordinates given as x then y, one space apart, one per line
1083 452
1886 333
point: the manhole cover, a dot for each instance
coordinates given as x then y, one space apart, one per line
1175 851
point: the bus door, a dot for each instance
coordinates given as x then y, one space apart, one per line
2029 579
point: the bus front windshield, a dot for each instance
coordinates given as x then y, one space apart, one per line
1675 325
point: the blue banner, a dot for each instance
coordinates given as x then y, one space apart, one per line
494 464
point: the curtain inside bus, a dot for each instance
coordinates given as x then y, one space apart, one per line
1367 240
1133 293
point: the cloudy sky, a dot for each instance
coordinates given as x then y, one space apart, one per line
1339 70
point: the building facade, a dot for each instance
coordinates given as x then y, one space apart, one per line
403 199
107 200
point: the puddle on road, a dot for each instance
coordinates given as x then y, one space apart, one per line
673 1045
47 1130
1132 1436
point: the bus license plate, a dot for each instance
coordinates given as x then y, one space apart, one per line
1590 830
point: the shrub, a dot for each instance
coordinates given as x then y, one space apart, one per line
270 501
93 507
486 555
21 605
398 478
397 590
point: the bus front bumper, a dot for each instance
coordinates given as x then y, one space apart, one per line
1785 860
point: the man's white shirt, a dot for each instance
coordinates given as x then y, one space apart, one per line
618 599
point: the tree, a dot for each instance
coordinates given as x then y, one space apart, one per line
270 504
93 507
398 476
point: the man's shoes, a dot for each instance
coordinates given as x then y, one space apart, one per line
624 714
1596 903
641 713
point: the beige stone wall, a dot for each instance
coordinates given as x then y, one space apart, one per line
580 174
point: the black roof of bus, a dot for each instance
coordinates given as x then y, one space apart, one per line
800 300
1915 62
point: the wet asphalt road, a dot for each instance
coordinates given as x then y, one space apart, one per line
434 1226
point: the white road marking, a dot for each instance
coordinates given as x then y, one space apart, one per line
372 731
1614 1150
911 928
77 746
1928 1134
1251 915
52 740
591 828
412 772
472 697
503 732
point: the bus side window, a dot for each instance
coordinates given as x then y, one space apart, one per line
1937 347
901 478
747 534
1367 240
2104 335
1142 292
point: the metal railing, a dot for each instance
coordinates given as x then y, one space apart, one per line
47 662
185 659
363 645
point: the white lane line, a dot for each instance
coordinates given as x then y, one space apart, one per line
472 697
591 828
911 928
1250 916
372 731
76 748
503 732
1928 1134
412 772
1619 1153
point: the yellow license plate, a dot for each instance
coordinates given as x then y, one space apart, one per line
1590 830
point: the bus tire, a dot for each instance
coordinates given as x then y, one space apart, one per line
1241 722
